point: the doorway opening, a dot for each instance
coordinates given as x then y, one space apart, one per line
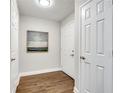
43 46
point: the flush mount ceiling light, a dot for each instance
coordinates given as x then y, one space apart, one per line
45 3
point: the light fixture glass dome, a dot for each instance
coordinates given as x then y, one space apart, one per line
45 3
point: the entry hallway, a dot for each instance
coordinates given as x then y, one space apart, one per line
52 82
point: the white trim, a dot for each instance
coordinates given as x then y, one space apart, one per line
17 81
75 90
16 84
40 71
68 74
84 3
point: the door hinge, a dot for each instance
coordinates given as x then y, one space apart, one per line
112 53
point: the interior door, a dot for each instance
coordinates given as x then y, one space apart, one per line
96 46
67 48
14 46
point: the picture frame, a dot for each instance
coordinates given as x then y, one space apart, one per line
37 41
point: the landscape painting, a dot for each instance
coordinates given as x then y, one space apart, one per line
37 41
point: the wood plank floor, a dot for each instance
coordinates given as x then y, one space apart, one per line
53 82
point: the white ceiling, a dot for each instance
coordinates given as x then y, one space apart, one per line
59 10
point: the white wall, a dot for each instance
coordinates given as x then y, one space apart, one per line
39 61
67 45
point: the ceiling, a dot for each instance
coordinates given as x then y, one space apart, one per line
57 12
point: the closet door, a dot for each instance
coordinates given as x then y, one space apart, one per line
67 48
96 46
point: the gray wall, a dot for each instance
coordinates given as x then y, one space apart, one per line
38 61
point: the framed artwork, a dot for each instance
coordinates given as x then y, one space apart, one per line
37 41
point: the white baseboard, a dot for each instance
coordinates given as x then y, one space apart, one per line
40 71
17 81
68 74
76 90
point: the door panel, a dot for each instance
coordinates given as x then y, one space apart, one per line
100 36
87 38
96 46
67 48
99 79
87 77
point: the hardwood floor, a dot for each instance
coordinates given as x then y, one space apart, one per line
53 82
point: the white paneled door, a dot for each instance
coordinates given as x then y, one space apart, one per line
96 46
